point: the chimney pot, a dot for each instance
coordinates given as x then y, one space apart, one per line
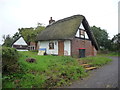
50 18
51 21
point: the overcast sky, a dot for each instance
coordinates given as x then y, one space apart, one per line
16 14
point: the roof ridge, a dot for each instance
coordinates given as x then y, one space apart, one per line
65 19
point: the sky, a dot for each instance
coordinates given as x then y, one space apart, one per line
16 14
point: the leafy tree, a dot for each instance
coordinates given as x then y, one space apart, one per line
29 34
116 42
16 35
7 40
116 38
101 36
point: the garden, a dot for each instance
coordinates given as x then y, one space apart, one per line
26 69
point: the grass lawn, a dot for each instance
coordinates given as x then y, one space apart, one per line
49 71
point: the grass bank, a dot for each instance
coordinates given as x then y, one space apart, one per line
49 71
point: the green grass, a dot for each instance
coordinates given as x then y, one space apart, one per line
47 71
114 54
97 60
43 62
110 54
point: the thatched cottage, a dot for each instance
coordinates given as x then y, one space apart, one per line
70 36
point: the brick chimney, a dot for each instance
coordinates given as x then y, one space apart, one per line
51 21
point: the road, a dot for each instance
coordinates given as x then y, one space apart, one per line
104 77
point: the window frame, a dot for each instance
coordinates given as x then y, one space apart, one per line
51 45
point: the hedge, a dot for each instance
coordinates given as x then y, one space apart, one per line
9 59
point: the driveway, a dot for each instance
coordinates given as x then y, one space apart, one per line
104 77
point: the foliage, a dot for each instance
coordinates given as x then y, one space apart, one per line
16 35
101 36
116 38
104 43
116 43
29 34
9 59
7 40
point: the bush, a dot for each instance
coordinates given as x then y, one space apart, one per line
9 59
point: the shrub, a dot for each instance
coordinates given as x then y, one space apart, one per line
9 59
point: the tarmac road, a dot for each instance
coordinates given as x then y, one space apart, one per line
104 77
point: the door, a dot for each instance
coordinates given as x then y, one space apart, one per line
82 53
61 48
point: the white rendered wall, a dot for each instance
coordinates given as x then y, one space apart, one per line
45 44
81 26
77 33
67 47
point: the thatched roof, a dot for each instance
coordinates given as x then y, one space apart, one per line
66 29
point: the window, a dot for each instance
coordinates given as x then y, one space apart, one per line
51 45
31 47
82 33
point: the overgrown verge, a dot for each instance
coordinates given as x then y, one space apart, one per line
108 53
47 71
113 54
96 61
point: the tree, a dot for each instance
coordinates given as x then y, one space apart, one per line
7 40
116 38
116 42
26 33
29 34
101 36
16 35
